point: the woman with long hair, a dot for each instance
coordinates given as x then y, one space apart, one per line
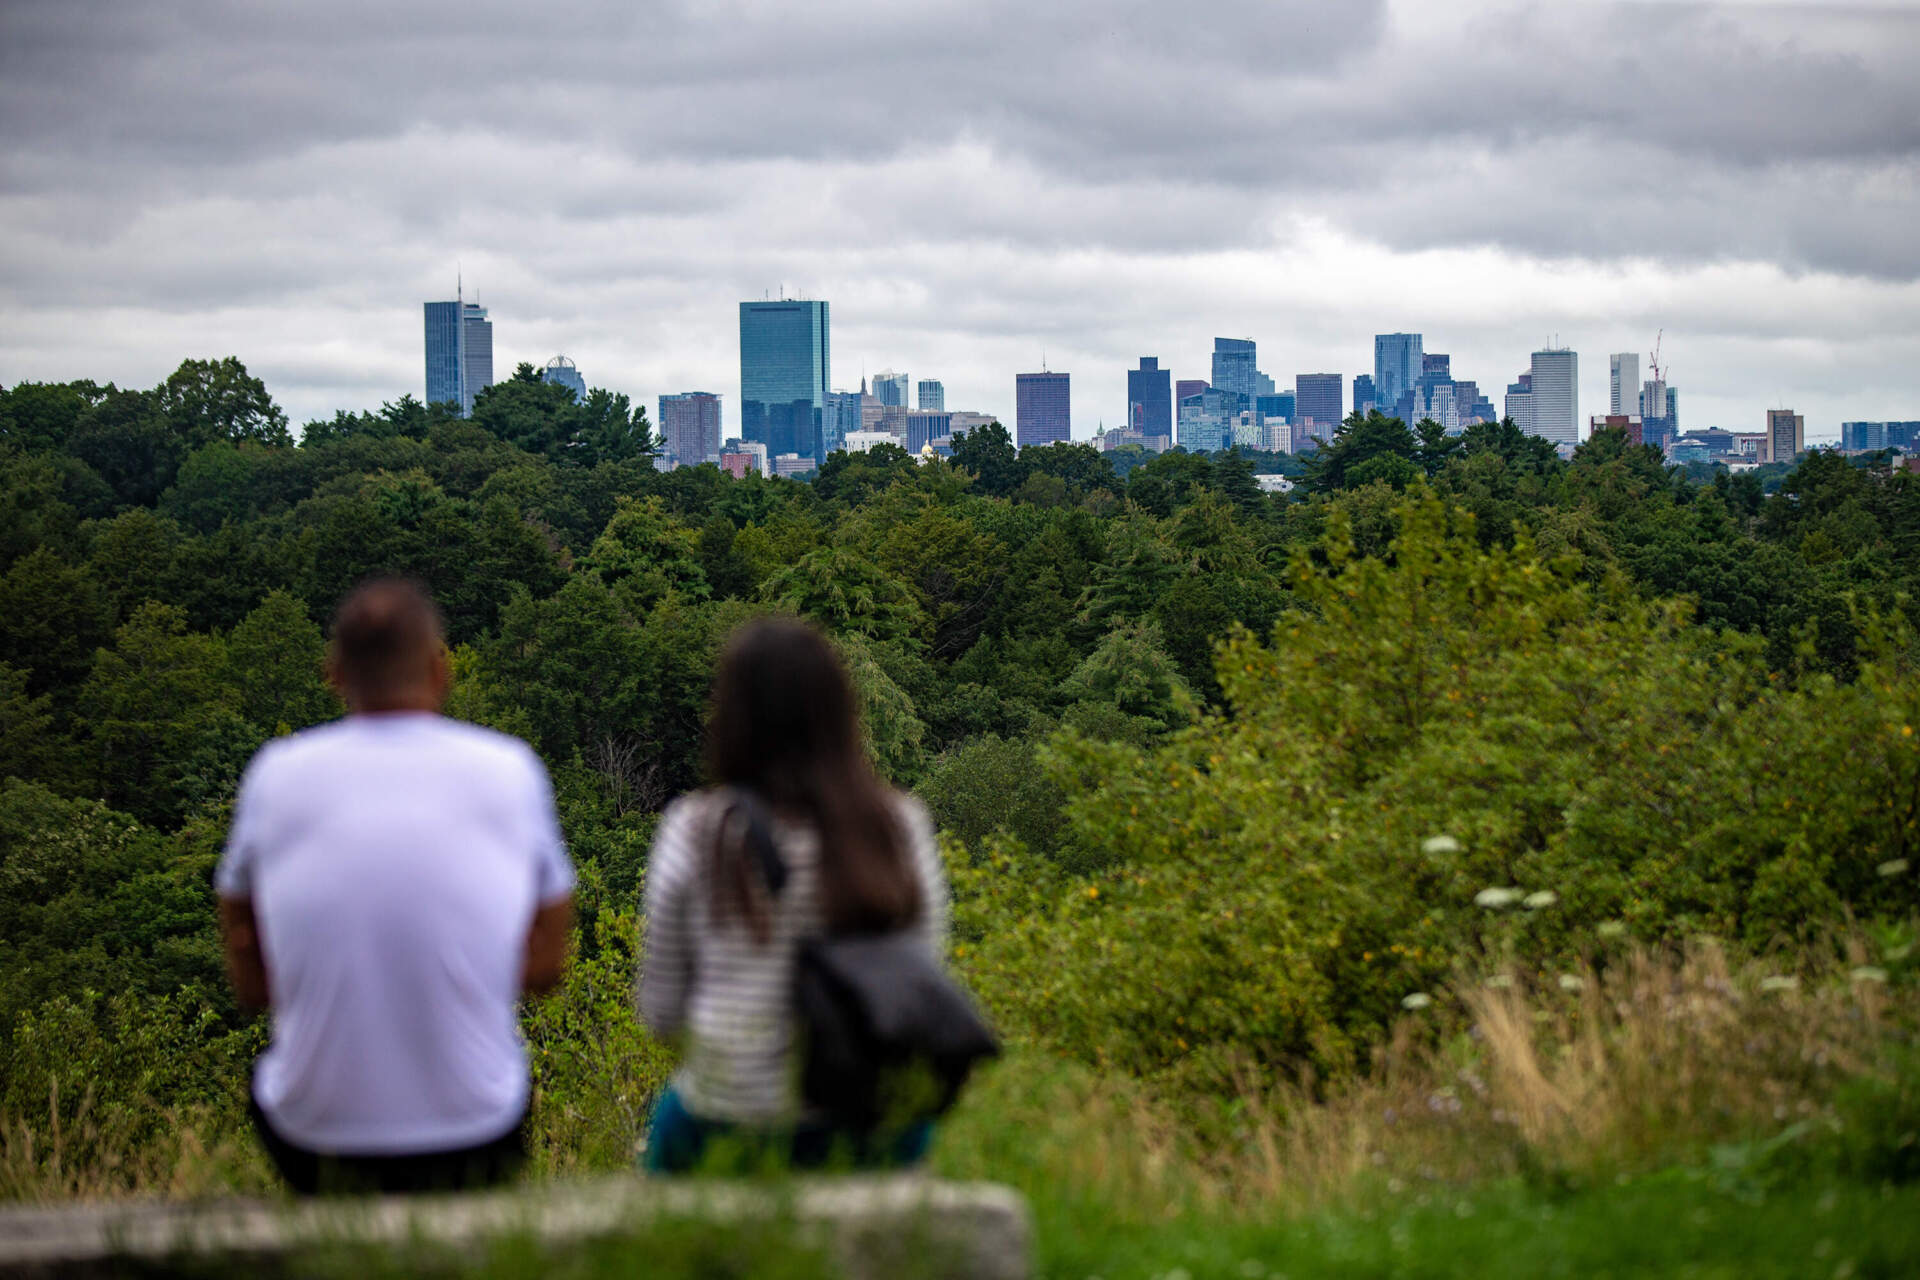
785 757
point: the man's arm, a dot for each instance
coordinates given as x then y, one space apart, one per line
547 946
246 965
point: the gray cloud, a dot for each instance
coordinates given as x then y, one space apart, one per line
979 178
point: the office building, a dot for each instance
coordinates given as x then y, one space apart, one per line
1206 420
1150 398
785 373
1277 407
1364 399
1519 406
1473 406
932 394
1627 422
1188 387
690 427
1786 437
1398 359
961 421
1866 437
890 388
562 372
1233 371
1552 402
925 426
459 341
738 457
843 418
1317 401
1042 408
1623 385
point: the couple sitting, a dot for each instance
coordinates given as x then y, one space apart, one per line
395 882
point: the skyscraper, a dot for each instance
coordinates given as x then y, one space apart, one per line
1786 436
785 370
1150 398
932 394
1043 408
564 372
842 419
1555 403
1623 384
1206 420
1233 371
459 340
890 388
1520 402
690 427
1188 387
1398 359
1316 403
1364 398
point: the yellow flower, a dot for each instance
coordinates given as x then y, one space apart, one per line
1093 891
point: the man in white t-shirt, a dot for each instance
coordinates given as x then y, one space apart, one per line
394 881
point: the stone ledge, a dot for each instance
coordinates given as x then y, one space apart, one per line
873 1226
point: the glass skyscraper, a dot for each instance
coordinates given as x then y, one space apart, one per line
890 388
1150 398
564 372
785 371
933 394
1233 370
1398 362
1043 408
1316 400
459 353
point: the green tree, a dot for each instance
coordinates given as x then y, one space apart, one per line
163 730
51 617
275 660
208 400
989 454
127 437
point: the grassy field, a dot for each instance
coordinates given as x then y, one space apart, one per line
1658 1116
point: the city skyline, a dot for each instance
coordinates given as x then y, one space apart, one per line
1322 177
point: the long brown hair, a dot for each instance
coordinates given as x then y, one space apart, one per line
785 726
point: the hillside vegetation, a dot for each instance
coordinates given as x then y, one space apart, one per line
1467 828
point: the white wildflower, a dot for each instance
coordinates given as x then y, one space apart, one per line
1892 867
1417 1000
1572 982
1544 898
1611 929
1869 973
1495 899
1435 846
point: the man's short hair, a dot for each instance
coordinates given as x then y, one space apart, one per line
385 635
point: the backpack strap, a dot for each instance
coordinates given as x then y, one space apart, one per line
743 805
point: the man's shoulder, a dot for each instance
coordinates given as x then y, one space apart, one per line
485 749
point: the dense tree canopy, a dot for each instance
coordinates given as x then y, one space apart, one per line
1142 691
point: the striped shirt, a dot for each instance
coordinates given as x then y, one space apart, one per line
732 995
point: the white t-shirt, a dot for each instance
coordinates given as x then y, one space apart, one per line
394 862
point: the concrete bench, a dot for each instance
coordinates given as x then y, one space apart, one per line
872 1227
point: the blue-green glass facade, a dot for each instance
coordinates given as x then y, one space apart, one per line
785 371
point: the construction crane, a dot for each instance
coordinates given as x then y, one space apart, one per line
1653 360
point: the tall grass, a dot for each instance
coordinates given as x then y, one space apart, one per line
1561 1079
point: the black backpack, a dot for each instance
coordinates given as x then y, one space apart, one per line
888 1037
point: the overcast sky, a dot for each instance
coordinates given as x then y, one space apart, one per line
974 187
